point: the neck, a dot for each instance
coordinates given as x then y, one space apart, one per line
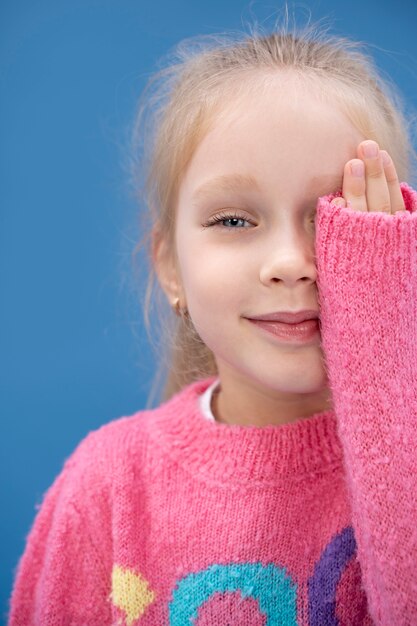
244 411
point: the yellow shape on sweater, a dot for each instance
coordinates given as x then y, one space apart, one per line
130 593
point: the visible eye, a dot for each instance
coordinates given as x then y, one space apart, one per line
226 217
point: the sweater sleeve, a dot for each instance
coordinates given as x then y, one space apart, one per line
63 575
367 284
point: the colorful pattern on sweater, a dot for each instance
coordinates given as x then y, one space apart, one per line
216 595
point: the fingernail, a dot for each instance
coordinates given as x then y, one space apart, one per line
370 150
385 157
357 168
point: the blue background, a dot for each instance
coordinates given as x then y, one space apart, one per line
74 353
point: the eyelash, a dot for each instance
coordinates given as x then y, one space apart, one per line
221 217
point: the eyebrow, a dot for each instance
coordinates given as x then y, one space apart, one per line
237 182
225 182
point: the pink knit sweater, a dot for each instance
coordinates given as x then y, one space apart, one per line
167 518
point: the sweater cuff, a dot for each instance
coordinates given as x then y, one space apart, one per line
366 245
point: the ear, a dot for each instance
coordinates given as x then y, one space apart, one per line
165 266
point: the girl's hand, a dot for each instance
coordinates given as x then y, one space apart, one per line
370 182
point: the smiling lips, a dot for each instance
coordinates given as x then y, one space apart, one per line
287 317
290 326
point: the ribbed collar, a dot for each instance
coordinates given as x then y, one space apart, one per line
235 454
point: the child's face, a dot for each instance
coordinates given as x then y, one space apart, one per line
295 148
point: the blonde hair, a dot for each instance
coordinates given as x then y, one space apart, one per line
180 103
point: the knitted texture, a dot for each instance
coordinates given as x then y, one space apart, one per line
165 518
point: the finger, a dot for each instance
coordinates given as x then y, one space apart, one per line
354 188
339 201
377 192
396 196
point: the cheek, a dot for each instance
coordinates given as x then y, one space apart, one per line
208 270
211 287
217 276
214 292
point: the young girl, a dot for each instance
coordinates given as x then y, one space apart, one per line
276 482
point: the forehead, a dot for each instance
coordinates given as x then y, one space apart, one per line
282 133
285 109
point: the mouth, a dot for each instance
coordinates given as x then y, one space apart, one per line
301 332
287 317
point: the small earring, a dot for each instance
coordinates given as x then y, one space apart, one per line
178 311
176 306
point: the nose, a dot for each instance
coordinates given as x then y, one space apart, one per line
289 259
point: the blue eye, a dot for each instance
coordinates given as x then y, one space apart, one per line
224 217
